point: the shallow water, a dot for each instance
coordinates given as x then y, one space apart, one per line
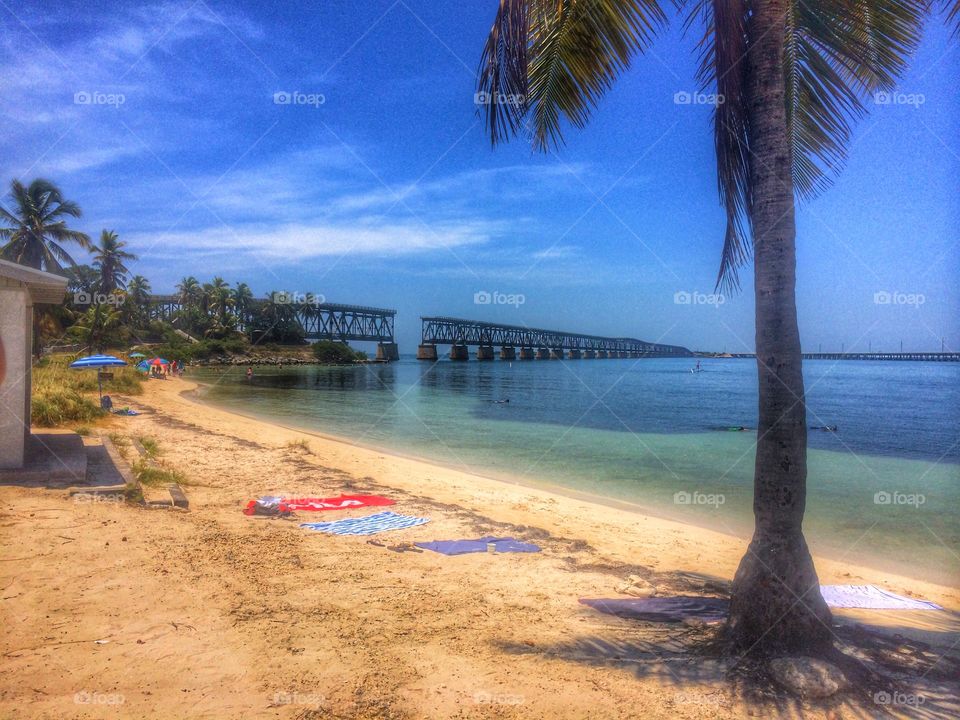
883 490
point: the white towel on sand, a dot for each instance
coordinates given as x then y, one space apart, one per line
871 597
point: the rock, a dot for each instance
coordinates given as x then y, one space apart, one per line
808 677
637 587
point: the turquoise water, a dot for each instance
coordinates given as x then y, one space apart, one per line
652 433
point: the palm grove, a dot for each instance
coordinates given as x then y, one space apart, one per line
106 306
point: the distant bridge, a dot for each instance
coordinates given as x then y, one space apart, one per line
534 343
320 321
903 356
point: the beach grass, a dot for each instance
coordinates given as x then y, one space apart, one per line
154 476
61 395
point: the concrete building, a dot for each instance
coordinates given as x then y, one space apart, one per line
20 288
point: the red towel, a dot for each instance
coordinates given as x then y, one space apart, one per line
344 502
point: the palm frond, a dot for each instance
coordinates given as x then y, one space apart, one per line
503 71
554 60
722 65
838 53
953 15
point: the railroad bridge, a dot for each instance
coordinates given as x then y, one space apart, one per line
320 321
901 356
534 343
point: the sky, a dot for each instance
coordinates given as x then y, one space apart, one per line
336 149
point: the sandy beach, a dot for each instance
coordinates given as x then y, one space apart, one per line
136 612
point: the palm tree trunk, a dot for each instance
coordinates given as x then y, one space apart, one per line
776 604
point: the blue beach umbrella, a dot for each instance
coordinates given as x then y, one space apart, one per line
97 361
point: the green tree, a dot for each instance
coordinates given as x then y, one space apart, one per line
793 77
35 229
135 308
109 258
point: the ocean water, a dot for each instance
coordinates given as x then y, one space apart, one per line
884 490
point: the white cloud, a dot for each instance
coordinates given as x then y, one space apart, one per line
296 243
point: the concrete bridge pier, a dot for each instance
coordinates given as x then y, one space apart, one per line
526 353
508 352
543 354
556 353
427 352
574 354
388 352
589 354
602 354
459 352
485 352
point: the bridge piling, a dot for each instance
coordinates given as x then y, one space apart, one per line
485 352
508 352
526 353
427 352
388 352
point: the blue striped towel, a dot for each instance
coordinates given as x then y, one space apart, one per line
367 525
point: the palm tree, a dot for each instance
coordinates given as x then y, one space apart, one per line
793 76
138 295
242 299
108 259
219 304
36 228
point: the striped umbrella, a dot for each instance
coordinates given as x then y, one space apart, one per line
97 361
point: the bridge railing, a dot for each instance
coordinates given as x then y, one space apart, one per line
458 331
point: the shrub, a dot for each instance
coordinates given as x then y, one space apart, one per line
335 353
61 395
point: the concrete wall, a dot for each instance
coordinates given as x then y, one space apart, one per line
16 328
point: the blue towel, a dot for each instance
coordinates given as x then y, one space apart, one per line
462 547
367 525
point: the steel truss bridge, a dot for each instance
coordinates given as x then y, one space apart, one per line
460 332
320 321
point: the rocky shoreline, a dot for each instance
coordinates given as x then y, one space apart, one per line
276 360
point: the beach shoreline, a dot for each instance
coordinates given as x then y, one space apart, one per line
834 568
734 531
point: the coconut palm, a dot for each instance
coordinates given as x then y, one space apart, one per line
219 305
242 300
793 77
138 296
34 229
108 259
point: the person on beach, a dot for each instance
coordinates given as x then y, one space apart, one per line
249 373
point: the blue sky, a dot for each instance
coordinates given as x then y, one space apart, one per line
376 185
